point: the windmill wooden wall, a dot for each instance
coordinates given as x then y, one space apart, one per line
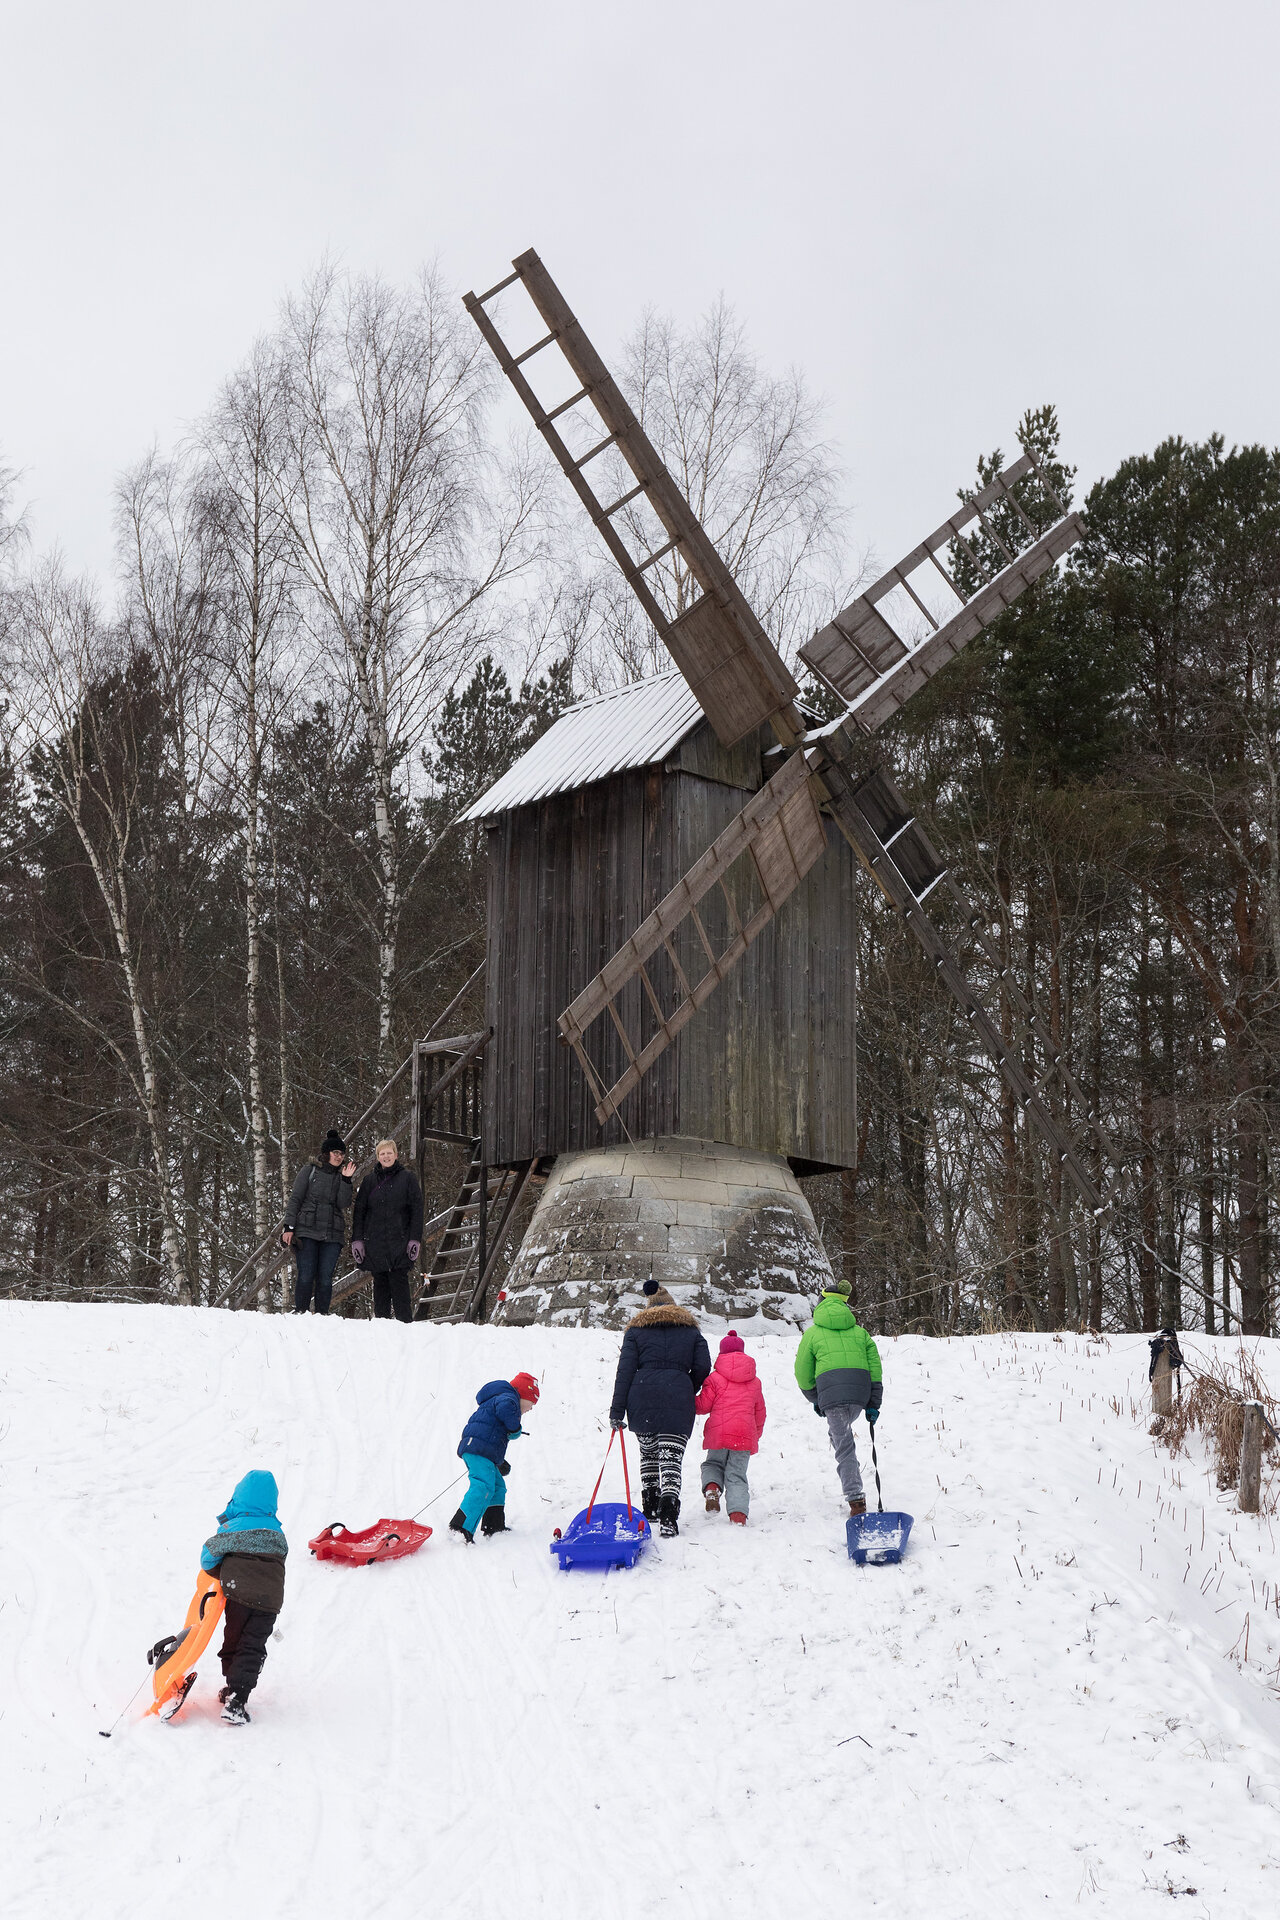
769 1062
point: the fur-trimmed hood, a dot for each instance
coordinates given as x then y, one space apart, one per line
662 1317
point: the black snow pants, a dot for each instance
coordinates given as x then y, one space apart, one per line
391 1290
244 1645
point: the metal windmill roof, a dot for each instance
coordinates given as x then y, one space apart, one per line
602 735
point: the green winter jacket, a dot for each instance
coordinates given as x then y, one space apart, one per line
837 1365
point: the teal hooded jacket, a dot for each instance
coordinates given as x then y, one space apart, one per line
249 1524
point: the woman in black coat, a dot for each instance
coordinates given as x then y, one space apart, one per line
314 1222
663 1363
386 1230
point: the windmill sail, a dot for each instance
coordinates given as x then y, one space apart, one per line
781 833
734 669
874 667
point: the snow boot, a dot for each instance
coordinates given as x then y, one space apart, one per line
668 1515
493 1520
459 1525
650 1502
738 1519
856 1507
713 1498
234 1710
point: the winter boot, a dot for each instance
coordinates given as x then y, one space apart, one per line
668 1515
649 1502
738 1519
234 1711
493 1520
713 1499
459 1525
856 1507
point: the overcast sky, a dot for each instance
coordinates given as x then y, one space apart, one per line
942 213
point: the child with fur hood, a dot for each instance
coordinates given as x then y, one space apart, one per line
733 1401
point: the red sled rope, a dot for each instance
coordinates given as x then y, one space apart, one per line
615 1433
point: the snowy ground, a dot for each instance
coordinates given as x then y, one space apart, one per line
1045 1709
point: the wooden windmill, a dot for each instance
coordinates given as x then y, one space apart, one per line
676 958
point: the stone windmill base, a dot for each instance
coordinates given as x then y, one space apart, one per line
726 1230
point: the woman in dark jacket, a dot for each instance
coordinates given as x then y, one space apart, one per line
663 1363
314 1223
386 1230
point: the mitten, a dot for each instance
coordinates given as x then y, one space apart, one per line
616 1425
504 1468
357 1252
873 1414
414 1249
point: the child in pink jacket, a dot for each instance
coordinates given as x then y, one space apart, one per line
734 1404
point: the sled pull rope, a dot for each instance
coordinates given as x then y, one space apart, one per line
876 1464
105 1733
437 1496
626 1477
615 1433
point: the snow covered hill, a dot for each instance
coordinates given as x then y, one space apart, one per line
1045 1709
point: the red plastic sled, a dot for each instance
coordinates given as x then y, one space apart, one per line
385 1540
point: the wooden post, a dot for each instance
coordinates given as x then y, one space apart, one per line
415 1104
1162 1384
1251 1458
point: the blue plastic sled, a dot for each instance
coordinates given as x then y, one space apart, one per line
877 1539
603 1536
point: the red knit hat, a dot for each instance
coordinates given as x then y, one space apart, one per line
732 1343
527 1387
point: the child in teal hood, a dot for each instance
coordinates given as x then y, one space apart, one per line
247 1553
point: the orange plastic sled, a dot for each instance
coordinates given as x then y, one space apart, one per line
174 1678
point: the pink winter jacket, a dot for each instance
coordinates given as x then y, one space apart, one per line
733 1399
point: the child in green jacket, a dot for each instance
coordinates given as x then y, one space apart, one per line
838 1372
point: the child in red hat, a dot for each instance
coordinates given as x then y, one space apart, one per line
734 1403
500 1409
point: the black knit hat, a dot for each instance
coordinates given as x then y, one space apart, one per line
333 1143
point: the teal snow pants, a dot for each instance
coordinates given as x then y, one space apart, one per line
487 1488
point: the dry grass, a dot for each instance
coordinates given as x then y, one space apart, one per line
1213 1405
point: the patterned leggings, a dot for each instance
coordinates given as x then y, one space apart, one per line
661 1460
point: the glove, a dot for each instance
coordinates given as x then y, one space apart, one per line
504 1468
616 1425
818 1410
413 1249
357 1252
873 1414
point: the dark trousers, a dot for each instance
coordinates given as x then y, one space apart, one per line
244 1640
316 1262
391 1291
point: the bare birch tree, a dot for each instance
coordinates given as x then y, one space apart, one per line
69 670
745 449
241 484
401 522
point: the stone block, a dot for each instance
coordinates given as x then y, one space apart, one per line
655 1212
617 1210
625 1270
589 1239
674 1270
585 1266
643 1237
704 1242
697 1213
709 1190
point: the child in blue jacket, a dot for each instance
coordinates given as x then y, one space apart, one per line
247 1553
500 1408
